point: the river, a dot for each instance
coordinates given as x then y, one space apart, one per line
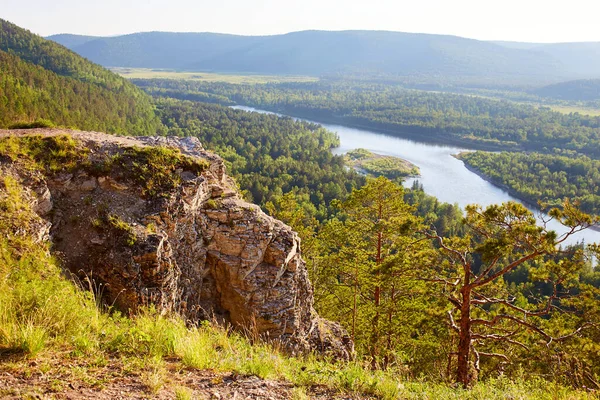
442 175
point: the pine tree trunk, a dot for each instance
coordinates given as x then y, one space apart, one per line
377 303
355 305
464 343
386 359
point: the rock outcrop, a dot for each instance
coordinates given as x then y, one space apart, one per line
197 248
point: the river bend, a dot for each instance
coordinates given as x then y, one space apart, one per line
442 175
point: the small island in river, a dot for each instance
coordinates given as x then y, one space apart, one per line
373 164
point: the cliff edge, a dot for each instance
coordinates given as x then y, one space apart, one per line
156 221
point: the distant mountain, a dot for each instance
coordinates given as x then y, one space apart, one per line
321 53
41 79
579 90
515 45
68 40
581 59
157 49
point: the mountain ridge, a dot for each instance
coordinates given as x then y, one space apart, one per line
316 52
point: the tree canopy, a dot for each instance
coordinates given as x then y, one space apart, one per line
42 80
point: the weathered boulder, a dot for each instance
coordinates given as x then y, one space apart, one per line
196 248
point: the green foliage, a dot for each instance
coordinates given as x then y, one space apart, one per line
39 123
377 165
438 117
123 229
183 393
15 216
359 154
38 307
40 79
489 317
367 273
267 155
51 154
579 90
153 377
446 218
297 211
212 204
42 312
546 178
155 168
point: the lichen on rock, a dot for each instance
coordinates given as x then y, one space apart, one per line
155 220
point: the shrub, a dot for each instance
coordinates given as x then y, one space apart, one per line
52 154
38 123
155 168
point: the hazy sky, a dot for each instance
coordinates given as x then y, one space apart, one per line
519 20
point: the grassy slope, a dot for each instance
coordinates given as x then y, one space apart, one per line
56 337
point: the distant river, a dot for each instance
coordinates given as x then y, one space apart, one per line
442 175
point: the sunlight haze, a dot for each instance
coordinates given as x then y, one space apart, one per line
511 20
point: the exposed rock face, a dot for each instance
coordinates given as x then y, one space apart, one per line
198 249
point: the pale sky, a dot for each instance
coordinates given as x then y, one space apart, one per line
517 20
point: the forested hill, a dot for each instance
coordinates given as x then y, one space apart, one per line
579 90
581 58
471 121
319 53
40 79
71 41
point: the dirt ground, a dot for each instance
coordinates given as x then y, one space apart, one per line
59 377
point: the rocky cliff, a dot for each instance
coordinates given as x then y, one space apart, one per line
154 220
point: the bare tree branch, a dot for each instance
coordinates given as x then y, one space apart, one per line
508 268
489 268
527 313
502 356
537 329
455 302
501 338
454 282
452 322
440 241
